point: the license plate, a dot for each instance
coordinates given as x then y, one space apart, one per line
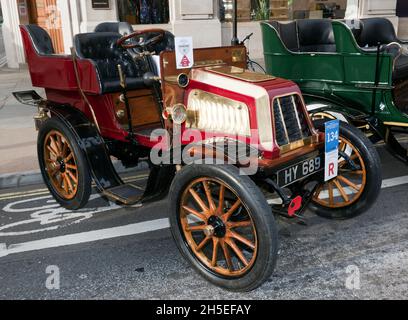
300 170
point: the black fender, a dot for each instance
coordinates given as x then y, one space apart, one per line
324 105
356 117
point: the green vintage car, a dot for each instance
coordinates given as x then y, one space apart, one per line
355 70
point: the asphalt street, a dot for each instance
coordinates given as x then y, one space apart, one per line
108 252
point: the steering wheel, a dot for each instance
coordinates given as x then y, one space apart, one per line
138 34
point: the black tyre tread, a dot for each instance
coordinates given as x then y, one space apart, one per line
253 192
374 175
84 181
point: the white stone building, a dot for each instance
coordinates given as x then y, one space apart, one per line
201 19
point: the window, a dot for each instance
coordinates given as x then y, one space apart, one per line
144 11
282 9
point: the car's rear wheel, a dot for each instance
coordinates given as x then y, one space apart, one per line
63 165
223 226
358 183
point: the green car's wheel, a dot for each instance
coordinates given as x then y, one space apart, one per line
223 226
358 183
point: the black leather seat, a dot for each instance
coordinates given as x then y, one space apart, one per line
373 31
376 30
314 35
124 28
41 40
101 49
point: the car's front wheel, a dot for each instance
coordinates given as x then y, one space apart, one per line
223 226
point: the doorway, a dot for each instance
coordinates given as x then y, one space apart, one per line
45 14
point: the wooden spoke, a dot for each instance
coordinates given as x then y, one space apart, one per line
203 243
71 175
53 172
348 182
318 191
236 205
64 149
68 181
237 251
198 199
59 145
69 157
242 239
216 243
52 151
209 196
54 145
240 224
330 189
341 190
356 172
70 166
221 200
64 182
195 228
195 213
227 255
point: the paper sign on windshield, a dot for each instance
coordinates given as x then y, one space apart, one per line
184 52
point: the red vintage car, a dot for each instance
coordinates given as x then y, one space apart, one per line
121 88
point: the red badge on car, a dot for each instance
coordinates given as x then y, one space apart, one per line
294 206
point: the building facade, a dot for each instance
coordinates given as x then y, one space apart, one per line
207 21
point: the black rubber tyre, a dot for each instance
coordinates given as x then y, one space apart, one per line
373 169
256 206
84 184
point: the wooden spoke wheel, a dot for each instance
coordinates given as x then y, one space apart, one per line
223 226
358 183
348 186
217 227
61 164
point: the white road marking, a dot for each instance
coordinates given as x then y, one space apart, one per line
128 230
84 237
38 192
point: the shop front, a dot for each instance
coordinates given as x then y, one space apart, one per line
209 22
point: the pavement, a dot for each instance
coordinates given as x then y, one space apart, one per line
3 59
110 252
18 137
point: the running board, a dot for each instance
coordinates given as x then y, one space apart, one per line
126 194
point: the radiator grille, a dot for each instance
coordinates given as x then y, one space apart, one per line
290 121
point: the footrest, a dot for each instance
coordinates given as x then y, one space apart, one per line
30 98
127 194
